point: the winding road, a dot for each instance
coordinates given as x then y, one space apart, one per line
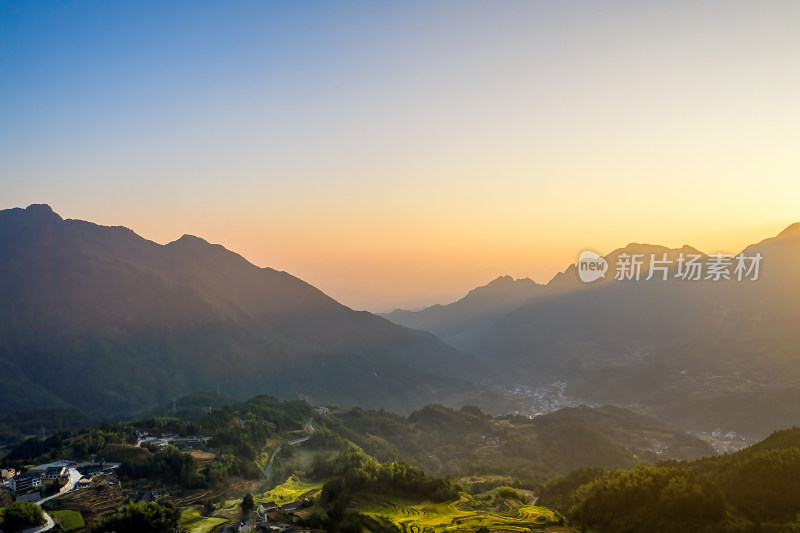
268 470
74 476
309 426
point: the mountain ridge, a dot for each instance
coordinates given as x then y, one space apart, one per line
480 306
673 346
154 321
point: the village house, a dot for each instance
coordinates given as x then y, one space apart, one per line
55 472
24 482
280 528
257 526
150 495
267 507
291 506
83 483
243 526
89 469
57 464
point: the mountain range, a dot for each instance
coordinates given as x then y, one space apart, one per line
699 353
100 319
462 323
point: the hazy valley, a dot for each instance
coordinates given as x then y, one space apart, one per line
361 267
705 355
134 362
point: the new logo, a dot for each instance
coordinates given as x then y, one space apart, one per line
591 266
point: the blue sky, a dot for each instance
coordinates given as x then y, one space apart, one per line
401 153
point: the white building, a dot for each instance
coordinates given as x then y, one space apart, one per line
24 482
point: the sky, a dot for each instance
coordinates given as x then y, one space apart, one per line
399 154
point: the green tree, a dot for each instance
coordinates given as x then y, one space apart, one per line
209 507
19 516
247 503
137 517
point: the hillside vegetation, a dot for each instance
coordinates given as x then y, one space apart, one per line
755 489
701 354
466 442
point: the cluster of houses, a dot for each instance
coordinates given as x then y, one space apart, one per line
60 470
268 511
19 482
258 526
272 507
150 495
490 441
22 482
192 441
727 442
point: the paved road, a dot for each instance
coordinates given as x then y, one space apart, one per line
309 426
268 470
74 476
49 524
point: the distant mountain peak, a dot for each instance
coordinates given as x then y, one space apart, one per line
642 247
99 318
791 231
498 286
189 239
479 308
508 280
42 211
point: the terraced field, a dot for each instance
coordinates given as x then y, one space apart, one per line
204 525
93 504
192 521
463 514
290 491
467 513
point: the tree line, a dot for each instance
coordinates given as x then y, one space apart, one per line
753 490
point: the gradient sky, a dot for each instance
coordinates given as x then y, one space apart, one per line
402 153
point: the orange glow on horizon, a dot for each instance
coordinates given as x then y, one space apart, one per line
384 267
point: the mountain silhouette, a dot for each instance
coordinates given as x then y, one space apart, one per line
693 352
461 323
101 319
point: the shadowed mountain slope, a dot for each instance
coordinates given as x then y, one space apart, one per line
461 323
701 354
101 319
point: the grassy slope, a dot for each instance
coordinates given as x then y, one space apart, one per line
290 491
69 520
192 521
